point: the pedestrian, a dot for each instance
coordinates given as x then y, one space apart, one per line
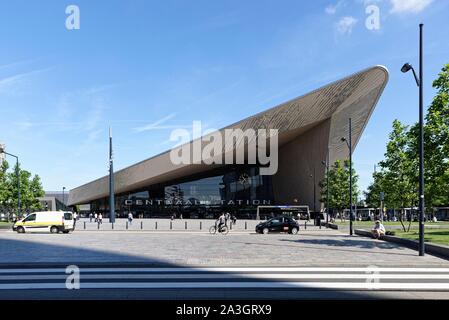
96 217
130 217
90 216
100 218
234 219
227 217
74 219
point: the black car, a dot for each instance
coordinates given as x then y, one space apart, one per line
278 224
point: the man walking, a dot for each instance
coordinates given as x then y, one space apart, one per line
130 217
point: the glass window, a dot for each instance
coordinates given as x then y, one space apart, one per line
67 216
31 217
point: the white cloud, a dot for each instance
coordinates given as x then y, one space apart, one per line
17 78
332 9
346 24
157 124
409 6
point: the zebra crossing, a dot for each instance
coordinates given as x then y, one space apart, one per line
301 278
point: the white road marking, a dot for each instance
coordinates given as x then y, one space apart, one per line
235 285
276 276
233 269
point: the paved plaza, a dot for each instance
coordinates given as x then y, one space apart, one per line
312 247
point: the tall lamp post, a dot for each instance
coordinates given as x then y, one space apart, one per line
63 197
111 181
419 82
314 194
326 163
2 150
349 144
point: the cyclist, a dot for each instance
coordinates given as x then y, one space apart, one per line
220 222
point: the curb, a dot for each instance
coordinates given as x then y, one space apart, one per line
430 248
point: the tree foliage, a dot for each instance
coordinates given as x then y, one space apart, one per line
399 174
30 189
339 186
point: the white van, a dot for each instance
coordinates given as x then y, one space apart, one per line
46 221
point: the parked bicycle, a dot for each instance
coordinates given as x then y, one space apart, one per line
223 230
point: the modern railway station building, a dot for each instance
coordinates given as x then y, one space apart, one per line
309 131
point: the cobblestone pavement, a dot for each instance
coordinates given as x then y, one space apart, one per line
313 247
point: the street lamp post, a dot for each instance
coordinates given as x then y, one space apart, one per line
63 197
419 81
2 150
349 144
326 163
314 194
111 181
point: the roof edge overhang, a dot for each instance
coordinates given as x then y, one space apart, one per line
296 115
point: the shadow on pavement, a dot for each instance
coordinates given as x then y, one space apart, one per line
100 258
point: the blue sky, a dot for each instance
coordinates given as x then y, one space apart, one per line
146 67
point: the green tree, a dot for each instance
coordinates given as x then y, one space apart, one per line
436 138
399 173
339 186
30 189
4 188
398 170
372 195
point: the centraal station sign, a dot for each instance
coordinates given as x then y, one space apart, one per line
195 202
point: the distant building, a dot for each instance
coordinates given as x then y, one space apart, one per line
54 200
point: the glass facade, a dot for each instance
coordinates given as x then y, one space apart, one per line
237 190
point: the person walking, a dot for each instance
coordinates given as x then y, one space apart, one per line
234 220
90 217
130 217
100 218
75 215
96 217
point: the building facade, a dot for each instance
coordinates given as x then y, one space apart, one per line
309 131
